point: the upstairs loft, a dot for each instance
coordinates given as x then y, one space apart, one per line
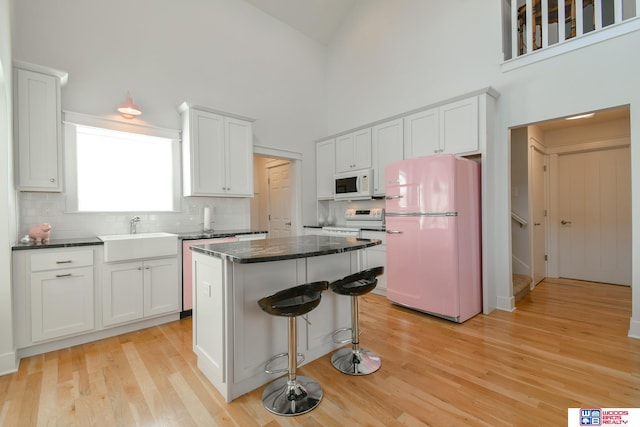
537 29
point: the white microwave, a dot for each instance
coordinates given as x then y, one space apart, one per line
354 185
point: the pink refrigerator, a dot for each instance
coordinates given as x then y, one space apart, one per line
433 235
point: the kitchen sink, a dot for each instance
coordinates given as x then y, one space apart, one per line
124 247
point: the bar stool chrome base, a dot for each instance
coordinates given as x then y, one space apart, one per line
290 398
356 362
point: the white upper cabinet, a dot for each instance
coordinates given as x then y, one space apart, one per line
325 168
451 128
353 151
217 153
421 134
386 147
37 128
459 131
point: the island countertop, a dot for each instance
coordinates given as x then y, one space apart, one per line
283 248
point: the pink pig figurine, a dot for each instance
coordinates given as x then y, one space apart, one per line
39 233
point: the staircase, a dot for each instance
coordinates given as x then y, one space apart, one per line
521 286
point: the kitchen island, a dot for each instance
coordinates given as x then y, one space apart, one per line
232 337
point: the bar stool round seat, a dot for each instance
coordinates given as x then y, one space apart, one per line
355 360
292 394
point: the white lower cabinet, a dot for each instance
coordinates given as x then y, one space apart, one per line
377 256
53 294
135 290
61 302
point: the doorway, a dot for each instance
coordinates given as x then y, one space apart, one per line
539 247
275 204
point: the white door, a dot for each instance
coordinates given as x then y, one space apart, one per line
538 213
595 216
280 200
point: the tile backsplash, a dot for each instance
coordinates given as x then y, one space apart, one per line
36 208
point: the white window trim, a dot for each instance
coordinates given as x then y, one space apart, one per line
609 32
71 119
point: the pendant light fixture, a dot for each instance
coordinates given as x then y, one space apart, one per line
128 109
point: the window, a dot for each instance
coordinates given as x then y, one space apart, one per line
111 170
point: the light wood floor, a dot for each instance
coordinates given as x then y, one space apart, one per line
565 346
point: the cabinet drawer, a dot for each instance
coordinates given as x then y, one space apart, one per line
57 260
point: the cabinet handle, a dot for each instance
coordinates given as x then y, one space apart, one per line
139 268
287 223
52 180
63 275
394 232
68 261
393 197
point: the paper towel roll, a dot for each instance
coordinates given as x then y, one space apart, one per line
207 219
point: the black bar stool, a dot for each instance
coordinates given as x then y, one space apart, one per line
355 360
292 395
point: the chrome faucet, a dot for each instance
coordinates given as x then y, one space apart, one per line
132 224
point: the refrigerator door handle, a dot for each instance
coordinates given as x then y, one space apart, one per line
394 232
399 196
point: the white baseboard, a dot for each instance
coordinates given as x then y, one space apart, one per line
8 363
506 303
634 329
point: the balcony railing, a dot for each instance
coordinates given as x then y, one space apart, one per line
537 24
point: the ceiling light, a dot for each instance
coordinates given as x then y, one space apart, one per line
581 116
128 109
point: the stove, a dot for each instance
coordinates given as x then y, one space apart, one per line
356 219
364 217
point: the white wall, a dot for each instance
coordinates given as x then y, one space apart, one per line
520 200
7 195
224 54
391 57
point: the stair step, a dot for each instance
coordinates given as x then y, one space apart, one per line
521 286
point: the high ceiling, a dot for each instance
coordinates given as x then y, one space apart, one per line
318 19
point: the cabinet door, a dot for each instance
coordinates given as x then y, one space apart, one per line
239 158
362 149
353 151
421 134
61 303
344 153
206 156
161 286
122 292
459 126
387 146
38 148
325 169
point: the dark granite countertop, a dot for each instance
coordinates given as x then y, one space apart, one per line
94 240
284 248
59 243
215 234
